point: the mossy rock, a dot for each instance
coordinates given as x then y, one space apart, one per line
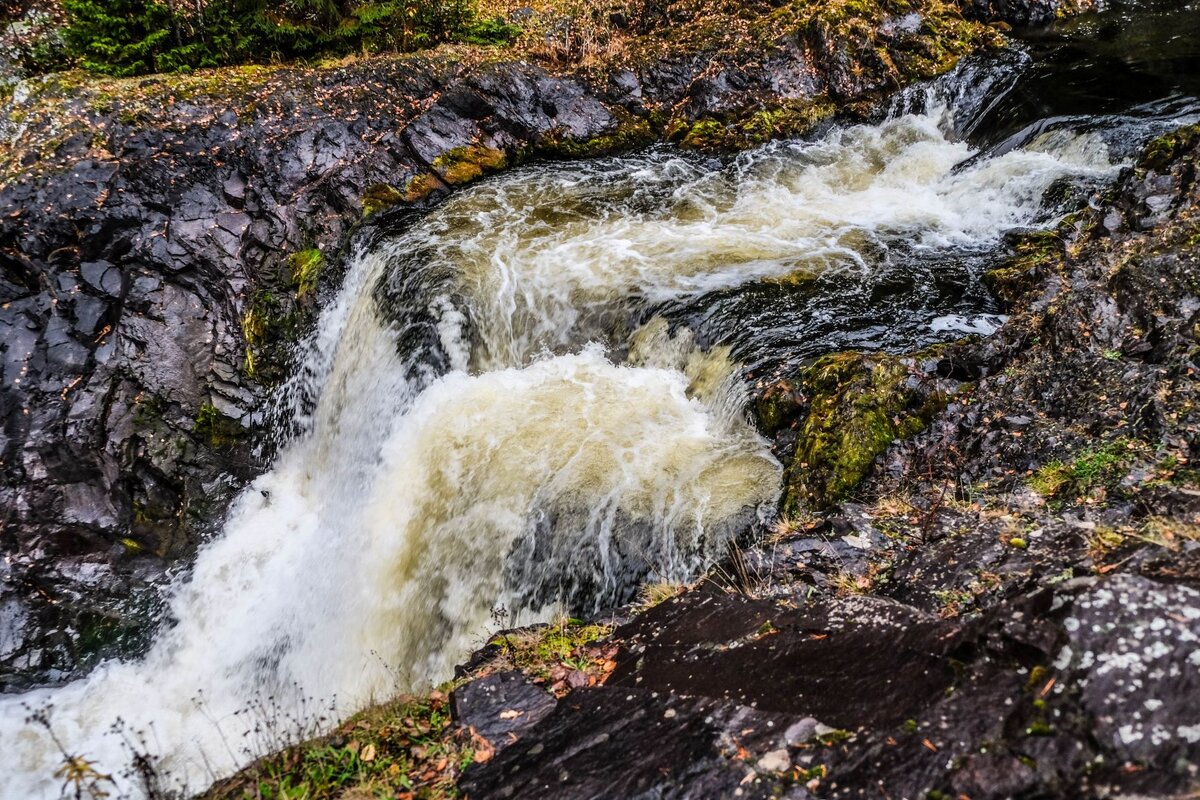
778 406
306 269
269 331
629 134
421 186
858 404
1033 253
380 197
216 429
1160 153
752 128
465 164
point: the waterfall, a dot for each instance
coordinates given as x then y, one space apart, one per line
499 409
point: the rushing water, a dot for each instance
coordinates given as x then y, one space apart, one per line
532 398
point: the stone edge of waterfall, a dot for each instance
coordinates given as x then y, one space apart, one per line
1008 606
167 239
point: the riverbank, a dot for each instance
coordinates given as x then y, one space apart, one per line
174 236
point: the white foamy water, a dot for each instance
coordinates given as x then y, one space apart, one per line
534 470
549 256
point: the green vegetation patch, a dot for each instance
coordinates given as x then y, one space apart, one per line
306 269
1100 467
136 37
542 651
407 747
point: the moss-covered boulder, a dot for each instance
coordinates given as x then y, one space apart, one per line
842 411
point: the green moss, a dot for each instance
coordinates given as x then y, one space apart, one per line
215 428
465 164
268 332
1161 152
754 128
306 269
860 403
380 196
707 134
1093 468
630 133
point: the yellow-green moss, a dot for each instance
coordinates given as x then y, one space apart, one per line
420 186
380 196
465 164
306 269
859 404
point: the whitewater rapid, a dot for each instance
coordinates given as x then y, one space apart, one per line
489 413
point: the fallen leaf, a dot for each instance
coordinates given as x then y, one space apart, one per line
483 750
368 753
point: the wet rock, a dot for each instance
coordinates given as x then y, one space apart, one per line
1134 651
610 742
761 654
501 707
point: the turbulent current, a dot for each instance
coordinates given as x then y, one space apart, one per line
532 398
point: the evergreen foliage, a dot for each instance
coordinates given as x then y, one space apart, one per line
136 37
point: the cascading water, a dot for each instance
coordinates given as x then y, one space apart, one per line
531 397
